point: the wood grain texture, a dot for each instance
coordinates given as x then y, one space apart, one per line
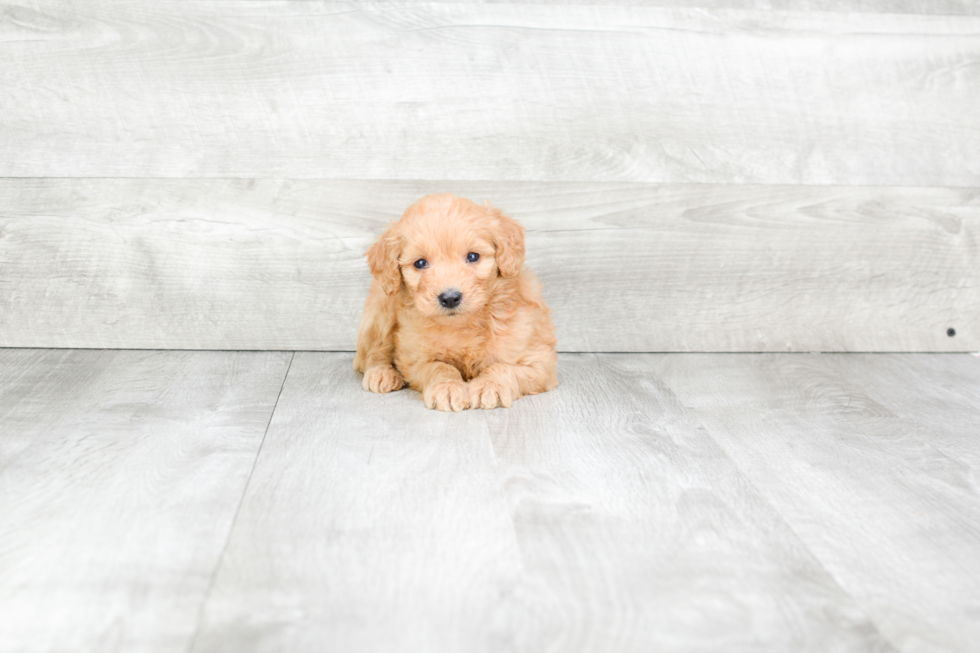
488 91
880 484
120 474
939 7
266 264
938 395
597 517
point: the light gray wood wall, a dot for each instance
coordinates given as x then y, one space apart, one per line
695 176
235 264
489 92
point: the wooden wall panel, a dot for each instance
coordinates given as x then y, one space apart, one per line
944 7
937 7
263 264
489 91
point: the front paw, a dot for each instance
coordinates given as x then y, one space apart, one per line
488 393
382 378
447 396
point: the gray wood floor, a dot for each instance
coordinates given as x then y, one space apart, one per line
255 501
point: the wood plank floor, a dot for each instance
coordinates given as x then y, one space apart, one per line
120 475
256 501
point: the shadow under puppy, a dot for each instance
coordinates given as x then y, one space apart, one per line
452 312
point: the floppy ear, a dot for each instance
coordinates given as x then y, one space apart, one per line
382 259
509 243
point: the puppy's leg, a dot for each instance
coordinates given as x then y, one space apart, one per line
442 386
382 378
376 344
500 384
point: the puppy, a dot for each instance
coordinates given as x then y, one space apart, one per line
452 313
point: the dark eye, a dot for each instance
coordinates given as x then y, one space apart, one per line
472 257
421 264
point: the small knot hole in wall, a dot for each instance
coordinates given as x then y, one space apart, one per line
950 332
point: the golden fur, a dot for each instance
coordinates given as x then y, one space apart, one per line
497 345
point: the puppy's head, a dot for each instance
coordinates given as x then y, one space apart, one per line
447 252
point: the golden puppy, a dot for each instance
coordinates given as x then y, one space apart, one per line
452 313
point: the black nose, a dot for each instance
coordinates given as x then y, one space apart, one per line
451 298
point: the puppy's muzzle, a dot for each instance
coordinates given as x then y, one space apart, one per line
450 298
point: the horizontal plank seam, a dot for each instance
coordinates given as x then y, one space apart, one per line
957 352
467 180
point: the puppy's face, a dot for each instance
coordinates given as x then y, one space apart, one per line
448 272
447 253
